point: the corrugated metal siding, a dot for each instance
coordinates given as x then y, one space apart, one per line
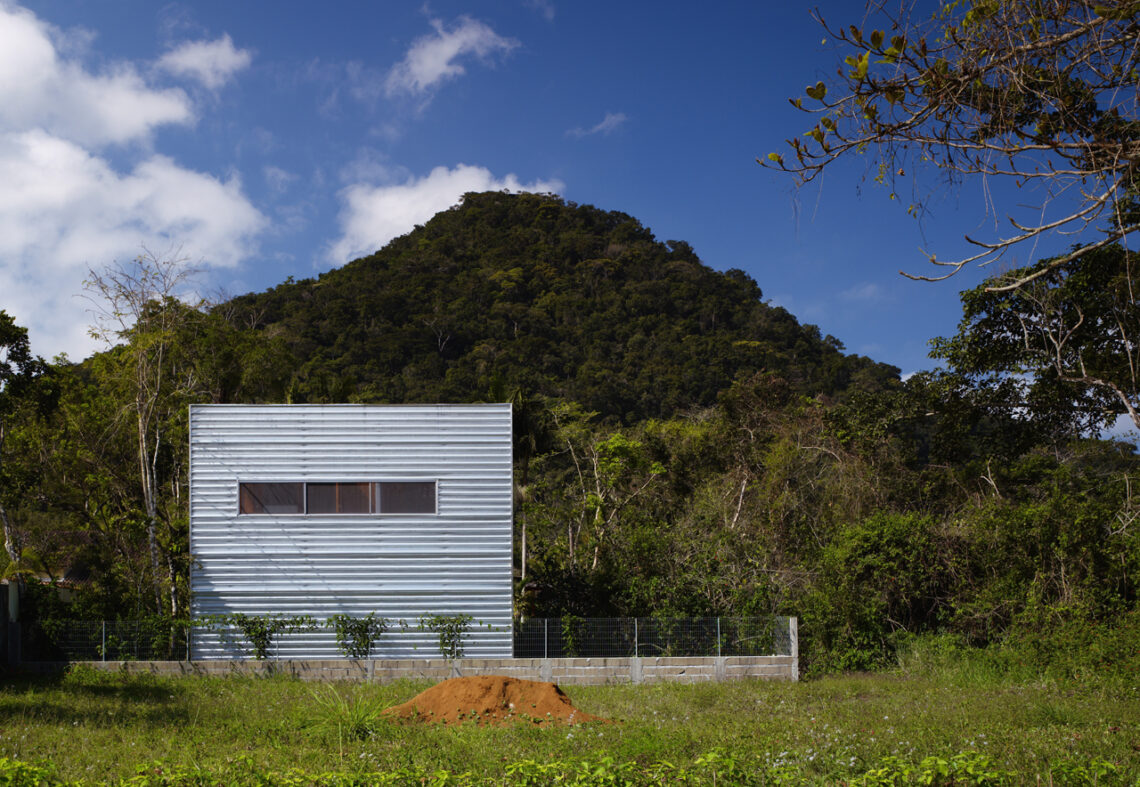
398 566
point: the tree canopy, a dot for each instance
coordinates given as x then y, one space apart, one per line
551 298
1073 328
1042 92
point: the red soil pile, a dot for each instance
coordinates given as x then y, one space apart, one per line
491 699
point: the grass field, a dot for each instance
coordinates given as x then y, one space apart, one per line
920 724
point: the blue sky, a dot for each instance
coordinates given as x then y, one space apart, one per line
269 140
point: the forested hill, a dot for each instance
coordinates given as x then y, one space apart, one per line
876 512
530 292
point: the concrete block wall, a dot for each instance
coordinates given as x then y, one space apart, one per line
570 671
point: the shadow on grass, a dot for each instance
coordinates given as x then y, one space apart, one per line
66 711
83 681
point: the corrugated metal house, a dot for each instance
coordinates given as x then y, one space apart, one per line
400 510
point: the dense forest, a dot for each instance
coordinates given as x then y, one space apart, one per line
561 301
681 446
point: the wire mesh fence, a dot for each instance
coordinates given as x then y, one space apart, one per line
104 640
567 637
570 637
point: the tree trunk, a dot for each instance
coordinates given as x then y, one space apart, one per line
150 505
10 545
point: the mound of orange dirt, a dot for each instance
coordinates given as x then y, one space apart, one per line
491 699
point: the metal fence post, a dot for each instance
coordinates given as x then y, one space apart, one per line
794 646
718 637
545 637
104 639
635 637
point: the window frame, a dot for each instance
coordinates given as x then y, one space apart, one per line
270 513
374 496
337 496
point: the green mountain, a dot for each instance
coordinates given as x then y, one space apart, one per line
529 291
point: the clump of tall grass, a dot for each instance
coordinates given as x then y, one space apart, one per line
347 712
1051 645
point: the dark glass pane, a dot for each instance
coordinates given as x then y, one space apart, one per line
406 497
352 498
271 498
322 498
347 498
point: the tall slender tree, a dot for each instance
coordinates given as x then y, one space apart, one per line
141 304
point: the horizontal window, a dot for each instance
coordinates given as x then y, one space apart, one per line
338 497
272 498
405 497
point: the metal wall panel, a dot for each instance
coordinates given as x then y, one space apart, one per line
455 561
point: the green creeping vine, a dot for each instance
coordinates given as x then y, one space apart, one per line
261 630
356 636
572 625
450 629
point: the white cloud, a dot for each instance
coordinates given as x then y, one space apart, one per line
544 7
867 292
39 89
210 62
64 207
609 123
373 215
364 84
278 179
372 166
433 58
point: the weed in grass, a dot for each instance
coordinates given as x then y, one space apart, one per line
350 713
1049 714
968 768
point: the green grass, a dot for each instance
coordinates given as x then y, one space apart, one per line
868 728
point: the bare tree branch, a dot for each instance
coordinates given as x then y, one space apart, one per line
1037 91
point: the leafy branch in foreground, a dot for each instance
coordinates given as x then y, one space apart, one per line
1040 92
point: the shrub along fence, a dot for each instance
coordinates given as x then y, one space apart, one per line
534 638
104 640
